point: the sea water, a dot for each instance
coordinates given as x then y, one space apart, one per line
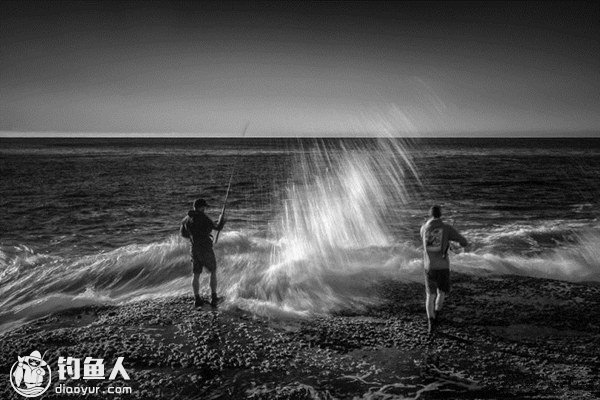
312 225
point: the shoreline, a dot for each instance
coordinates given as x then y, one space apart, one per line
500 337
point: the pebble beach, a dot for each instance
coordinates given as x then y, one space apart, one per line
499 337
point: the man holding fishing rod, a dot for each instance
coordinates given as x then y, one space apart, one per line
197 227
436 236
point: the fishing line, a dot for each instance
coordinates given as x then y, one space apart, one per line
229 185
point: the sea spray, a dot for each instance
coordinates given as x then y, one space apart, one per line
35 284
577 259
325 248
337 227
331 240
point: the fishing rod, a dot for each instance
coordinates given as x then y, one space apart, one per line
454 248
229 185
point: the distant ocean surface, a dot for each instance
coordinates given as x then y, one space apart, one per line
311 222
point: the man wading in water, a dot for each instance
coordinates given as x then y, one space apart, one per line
198 228
436 236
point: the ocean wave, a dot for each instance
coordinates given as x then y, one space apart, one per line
33 284
325 251
575 261
532 237
37 284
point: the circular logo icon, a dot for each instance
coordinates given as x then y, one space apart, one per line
30 376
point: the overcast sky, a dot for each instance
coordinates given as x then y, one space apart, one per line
299 68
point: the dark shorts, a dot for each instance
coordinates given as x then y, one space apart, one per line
203 259
437 279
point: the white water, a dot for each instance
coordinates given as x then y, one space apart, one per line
324 252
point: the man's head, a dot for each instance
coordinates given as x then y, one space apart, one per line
435 211
199 204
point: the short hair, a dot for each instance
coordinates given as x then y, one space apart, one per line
435 211
200 203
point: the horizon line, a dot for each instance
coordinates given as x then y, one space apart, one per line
533 133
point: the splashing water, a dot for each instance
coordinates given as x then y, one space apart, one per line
334 236
332 240
576 262
327 245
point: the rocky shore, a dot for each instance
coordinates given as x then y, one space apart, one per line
500 338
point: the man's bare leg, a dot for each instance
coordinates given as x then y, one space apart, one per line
196 289
439 301
430 308
213 288
430 304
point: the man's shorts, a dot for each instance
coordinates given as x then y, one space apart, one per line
437 279
203 259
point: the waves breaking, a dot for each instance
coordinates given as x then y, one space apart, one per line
325 249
